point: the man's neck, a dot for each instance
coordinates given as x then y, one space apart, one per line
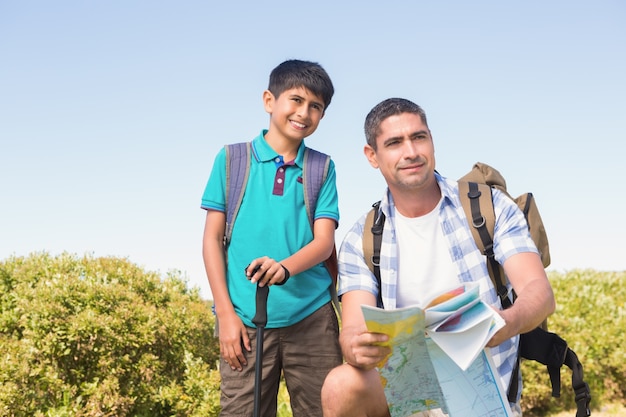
416 203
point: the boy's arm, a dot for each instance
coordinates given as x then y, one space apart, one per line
232 331
313 253
316 251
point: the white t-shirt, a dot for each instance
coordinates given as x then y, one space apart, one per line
426 268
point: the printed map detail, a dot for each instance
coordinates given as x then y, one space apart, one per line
419 376
408 375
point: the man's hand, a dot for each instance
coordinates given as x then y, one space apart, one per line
363 349
506 332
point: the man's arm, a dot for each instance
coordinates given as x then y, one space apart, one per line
535 299
360 348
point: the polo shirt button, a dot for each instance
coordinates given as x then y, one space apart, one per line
281 169
277 160
280 180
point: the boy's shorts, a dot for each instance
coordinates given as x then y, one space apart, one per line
304 352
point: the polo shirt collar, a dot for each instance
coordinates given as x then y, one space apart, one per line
263 152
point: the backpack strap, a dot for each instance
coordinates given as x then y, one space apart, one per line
474 196
372 241
238 157
477 203
551 350
581 388
314 174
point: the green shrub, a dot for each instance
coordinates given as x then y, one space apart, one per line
591 317
84 336
102 337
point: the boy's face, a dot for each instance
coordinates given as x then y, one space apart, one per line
295 113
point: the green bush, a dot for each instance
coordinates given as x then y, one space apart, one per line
102 337
591 317
85 336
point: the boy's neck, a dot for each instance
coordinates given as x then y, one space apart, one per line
288 149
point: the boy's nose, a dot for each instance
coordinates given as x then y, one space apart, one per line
303 111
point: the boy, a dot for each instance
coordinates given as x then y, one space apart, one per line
272 241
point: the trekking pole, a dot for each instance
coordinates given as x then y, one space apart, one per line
260 320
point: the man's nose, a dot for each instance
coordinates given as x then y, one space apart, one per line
410 149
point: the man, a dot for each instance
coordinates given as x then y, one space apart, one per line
427 248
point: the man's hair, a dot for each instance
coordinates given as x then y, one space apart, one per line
385 109
295 73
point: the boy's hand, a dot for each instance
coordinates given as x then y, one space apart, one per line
232 336
266 271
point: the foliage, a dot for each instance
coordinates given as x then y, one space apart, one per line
284 406
101 337
591 317
84 336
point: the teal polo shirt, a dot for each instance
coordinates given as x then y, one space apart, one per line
272 221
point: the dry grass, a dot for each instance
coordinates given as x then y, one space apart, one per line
612 410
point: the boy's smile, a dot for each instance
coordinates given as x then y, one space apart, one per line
294 114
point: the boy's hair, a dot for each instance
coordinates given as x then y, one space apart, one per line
295 73
385 109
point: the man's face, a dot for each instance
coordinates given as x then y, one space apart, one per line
405 153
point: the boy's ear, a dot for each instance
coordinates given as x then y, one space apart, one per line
268 101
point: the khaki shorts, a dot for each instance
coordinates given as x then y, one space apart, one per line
304 353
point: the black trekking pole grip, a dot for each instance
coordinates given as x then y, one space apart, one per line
260 317
260 320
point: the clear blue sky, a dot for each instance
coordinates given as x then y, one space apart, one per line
111 112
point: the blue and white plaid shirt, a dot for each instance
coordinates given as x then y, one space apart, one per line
511 236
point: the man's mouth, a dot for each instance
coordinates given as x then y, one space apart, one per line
411 167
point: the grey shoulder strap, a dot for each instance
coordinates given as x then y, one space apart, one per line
314 174
237 170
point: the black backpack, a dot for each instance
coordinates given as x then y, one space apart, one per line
539 344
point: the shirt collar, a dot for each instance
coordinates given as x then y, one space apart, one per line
263 152
449 191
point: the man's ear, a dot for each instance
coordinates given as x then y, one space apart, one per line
370 154
268 101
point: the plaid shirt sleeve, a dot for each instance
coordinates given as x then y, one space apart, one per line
353 271
511 235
